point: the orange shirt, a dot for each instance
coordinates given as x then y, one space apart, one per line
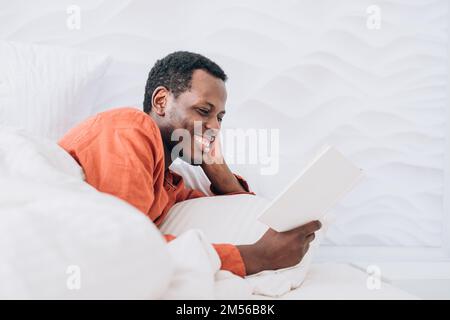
121 153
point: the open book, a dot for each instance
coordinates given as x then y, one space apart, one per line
311 194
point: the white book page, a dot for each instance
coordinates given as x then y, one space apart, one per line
317 189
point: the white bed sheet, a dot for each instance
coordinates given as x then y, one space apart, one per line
198 276
335 281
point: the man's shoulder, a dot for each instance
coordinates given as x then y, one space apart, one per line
134 130
130 118
127 110
126 116
112 122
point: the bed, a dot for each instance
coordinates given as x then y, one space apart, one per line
60 238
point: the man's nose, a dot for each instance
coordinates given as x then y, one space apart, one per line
213 124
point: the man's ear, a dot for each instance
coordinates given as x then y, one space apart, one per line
159 100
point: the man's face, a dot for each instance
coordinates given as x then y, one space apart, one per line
204 105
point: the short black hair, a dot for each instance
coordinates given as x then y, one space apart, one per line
174 72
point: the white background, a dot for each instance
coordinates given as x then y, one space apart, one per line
312 69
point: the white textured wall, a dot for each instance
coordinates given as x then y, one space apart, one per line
312 69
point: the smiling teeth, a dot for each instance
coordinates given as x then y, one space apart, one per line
205 142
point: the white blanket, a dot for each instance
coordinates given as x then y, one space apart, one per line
60 238
198 276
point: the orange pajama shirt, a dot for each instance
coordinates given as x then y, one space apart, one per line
121 153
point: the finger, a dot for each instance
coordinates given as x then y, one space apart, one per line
305 248
306 229
307 226
312 227
311 237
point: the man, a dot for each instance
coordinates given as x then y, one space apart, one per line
127 153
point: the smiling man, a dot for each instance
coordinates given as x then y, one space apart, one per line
127 153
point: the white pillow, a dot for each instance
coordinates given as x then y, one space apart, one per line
227 219
47 90
233 219
54 227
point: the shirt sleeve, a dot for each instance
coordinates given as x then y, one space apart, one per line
121 162
230 257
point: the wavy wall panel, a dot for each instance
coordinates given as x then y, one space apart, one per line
309 68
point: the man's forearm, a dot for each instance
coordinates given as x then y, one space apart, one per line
222 179
252 260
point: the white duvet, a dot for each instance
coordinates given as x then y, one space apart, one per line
60 238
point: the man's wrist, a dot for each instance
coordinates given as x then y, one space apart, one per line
252 258
222 179
213 166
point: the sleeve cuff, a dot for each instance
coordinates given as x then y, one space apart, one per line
231 259
169 237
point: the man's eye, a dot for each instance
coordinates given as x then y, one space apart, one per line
203 111
220 119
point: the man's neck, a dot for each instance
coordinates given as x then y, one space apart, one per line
167 158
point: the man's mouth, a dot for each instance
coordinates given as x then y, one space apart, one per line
204 142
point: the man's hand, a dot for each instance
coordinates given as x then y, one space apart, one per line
213 155
277 250
218 172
